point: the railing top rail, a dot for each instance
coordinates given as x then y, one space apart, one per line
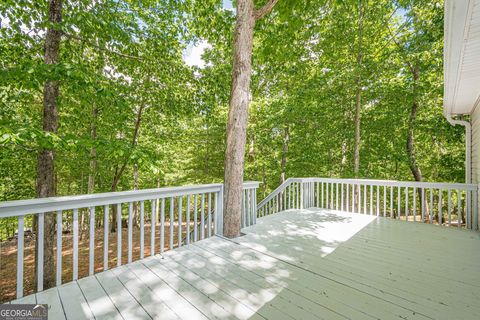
374 182
251 184
23 207
276 191
395 183
30 206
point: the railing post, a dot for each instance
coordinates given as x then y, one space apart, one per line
249 204
219 213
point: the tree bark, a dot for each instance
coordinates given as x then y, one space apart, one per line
135 187
358 109
45 186
120 170
92 167
358 100
238 112
283 163
343 163
412 120
358 94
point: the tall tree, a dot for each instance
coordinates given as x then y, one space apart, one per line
358 93
45 160
247 16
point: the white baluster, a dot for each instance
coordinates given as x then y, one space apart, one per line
384 201
202 217
153 222
180 204
431 205
406 203
105 237
20 247
59 248
440 206
162 226
336 196
365 199
423 205
348 197
188 219
142 229
449 204
391 201
371 199
75 245
209 212
459 209
91 253
119 235
130 232
323 203
195 221
172 204
414 204
399 202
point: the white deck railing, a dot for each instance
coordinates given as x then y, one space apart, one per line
249 204
450 204
187 213
181 215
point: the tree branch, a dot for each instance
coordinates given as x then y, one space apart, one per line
263 11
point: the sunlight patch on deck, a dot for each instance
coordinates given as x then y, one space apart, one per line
325 227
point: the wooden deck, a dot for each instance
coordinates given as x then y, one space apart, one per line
299 264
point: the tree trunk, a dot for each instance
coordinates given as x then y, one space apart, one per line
93 155
358 94
251 150
238 111
412 161
412 121
238 117
358 107
283 163
343 163
119 171
45 162
358 100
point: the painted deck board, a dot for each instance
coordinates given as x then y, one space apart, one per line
312 286
230 290
152 297
98 300
73 302
199 298
298 264
52 298
127 305
393 275
249 293
287 299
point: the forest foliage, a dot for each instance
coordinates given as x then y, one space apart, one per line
133 114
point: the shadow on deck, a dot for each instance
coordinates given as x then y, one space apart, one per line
297 264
